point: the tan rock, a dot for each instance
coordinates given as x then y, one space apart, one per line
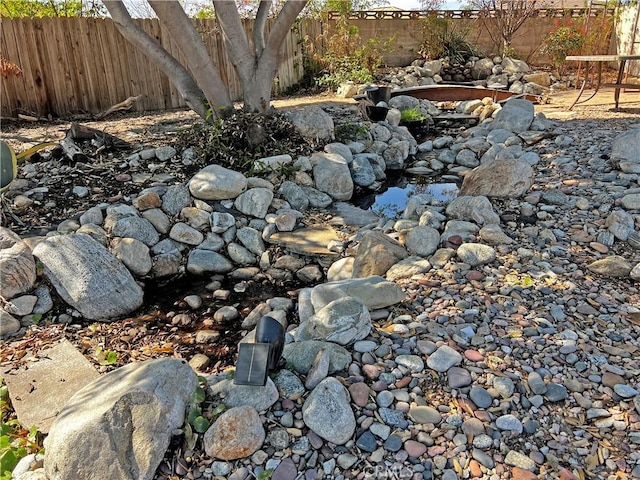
237 433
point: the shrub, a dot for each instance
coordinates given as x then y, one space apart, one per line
440 38
565 39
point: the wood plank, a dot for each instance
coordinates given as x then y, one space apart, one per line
91 68
13 86
59 65
37 78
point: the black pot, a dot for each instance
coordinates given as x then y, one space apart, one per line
378 93
376 114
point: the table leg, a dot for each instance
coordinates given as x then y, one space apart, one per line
616 91
584 83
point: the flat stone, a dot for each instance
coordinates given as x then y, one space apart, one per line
286 470
306 241
367 442
425 414
458 377
480 397
39 392
443 359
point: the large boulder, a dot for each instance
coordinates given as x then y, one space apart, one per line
377 253
214 182
120 425
313 123
506 178
374 292
88 277
342 321
625 151
332 175
516 116
17 266
482 68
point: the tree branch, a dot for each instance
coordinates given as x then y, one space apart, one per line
235 36
259 25
290 11
163 59
189 41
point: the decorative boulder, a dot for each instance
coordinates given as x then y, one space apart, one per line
214 182
625 151
17 266
516 116
313 123
119 426
342 321
505 178
327 411
377 253
88 277
332 175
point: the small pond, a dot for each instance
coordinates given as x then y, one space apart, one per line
391 202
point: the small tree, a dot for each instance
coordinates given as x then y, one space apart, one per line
505 17
255 56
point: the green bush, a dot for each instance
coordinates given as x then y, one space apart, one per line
440 38
565 39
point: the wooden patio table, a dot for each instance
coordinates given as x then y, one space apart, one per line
600 59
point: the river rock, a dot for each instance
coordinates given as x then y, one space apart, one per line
473 208
482 68
422 240
254 202
503 178
332 175
301 355
377 253
625 151
313 123
516 116
342 321
408 267
612 266
121 423
8 324
232 395
88 277
17 266
327 411
134 254
204 261
237 433
374 292
476 254
443 359
215 182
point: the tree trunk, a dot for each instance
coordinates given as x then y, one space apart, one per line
178 75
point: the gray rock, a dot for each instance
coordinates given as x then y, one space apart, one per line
422 240
620 224
138 228
503 178
158 219
536 384
374 292
407 268
403 102
473 208
516 116
377 253
273 163
482 68
425 414
317 199
175 199
134 254
347 214
120 423
237 433
319 370
625 151
221 222
631 201
8 324
413 362
95 283
204 261
327 411
232 395
17 266
342 321
240 255
294 195
215 182
288 383
556 392
480 397
254 202
476 254
332 175
625 391
395 155
362 171
509 422
313 123
443 359
493 235
466 230
92 215
45 302
301 355
183 233
340 149
251 239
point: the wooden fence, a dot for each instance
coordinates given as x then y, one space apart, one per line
75 65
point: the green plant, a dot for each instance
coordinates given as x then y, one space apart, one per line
441 38
350 131
105 357
565 39
411 115
15 441
347 57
